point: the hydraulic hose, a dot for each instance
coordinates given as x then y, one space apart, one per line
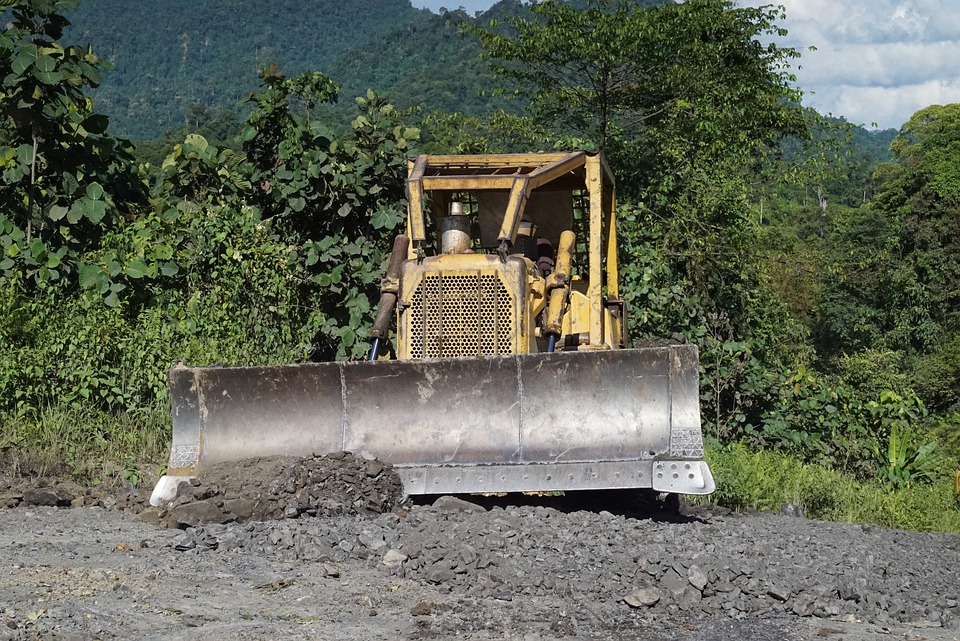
551 343
389 291
558 290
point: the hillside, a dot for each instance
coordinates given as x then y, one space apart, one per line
170 54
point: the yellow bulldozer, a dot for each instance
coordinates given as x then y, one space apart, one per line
507 368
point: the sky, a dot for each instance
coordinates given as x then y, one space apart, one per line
876 61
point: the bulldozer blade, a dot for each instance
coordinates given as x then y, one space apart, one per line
531 422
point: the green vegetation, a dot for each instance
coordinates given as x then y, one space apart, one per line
816 272
91 446
767 480
175 54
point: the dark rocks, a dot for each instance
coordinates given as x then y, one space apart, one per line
197 513
183 542
10 498
600 564
373 541
805 604
64 493
438 573
374 468
423 608
697 577
52 497
393 558
949 619
241 509
672 582
779 593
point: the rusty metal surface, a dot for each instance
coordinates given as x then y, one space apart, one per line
569 420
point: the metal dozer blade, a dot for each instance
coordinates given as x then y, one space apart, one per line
509 371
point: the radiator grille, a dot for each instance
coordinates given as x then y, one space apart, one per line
462 315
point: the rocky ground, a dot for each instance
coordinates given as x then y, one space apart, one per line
323 548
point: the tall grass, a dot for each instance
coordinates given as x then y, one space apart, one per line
765 480
91 446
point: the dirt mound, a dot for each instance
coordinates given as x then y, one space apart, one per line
282 487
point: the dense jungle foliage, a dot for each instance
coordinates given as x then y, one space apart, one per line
172 54
815 264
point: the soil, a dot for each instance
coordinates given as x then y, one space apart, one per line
327 548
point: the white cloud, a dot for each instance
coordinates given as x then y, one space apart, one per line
898 63
889 107
875 60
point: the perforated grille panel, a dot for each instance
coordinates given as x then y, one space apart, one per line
461 315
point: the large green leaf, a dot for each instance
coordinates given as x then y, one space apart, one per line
197 141
45 70
77 211
25 154
69 183
24 60
91 276
57 212
135 269
94 191
94 207
93 210
96 123
385 218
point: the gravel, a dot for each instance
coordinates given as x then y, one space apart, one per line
323 547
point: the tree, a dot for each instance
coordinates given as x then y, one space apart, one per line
891 286
313 182
580 69
894 284
339 199
64 178
920 192
616 68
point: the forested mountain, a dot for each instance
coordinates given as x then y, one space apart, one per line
170 54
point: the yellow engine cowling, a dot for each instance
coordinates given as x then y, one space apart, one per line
468 305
